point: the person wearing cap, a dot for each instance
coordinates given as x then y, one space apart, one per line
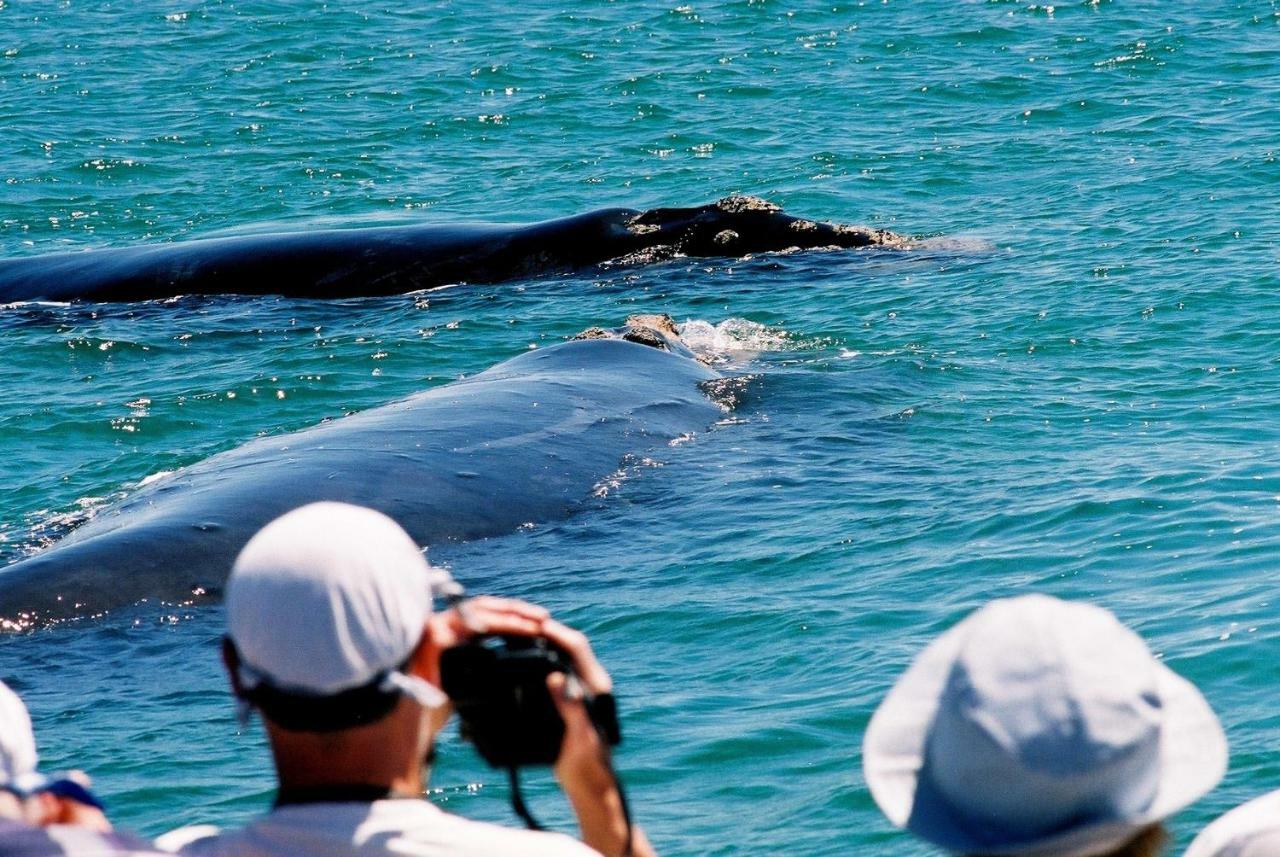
44 815
331 637
1041 727
1249 830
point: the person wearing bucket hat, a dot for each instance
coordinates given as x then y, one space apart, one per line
1041 728
1250 830
43 815
331 637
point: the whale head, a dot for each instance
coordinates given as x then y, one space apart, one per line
657 330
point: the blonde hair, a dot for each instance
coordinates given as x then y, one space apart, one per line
1147 842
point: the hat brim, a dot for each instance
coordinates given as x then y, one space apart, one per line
1250 824
1192 754
62 785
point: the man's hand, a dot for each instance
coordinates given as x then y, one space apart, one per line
47 807
67 810
482 615
473 618
584 757
584 768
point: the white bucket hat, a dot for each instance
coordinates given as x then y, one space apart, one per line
1250 830
327 598
18 758
17 741
1039 727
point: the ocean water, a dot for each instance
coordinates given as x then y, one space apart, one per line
1078 392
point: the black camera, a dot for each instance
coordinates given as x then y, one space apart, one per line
498 684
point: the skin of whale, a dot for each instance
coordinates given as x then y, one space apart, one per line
525 441
396 259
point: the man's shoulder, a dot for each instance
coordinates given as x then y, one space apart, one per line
445 833
20 840
402 827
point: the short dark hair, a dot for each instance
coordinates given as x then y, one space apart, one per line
305 712
359 706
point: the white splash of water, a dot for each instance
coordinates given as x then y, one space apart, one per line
956 244
733 340
47 526
630 466
155 477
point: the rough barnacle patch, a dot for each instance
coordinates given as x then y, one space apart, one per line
803 226
637 228
884 236
743 204
868 236
647 256
657 321
646 329
644 336
726 236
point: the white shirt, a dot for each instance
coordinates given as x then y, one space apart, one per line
404 826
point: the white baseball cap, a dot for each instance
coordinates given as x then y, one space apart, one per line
1249 830
328 598
1039 727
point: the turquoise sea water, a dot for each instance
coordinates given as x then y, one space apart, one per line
1081 397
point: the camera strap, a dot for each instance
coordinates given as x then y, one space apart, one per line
603 709
522 809
517 800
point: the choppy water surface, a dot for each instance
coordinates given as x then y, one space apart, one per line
1082 399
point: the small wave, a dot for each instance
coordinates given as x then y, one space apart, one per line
33 303
728 392
46 526
631 465
956 244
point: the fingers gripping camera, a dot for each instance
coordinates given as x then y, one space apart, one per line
498 684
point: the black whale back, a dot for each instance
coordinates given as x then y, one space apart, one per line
396 259
523 442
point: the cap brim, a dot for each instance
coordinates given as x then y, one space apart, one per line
1193 758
